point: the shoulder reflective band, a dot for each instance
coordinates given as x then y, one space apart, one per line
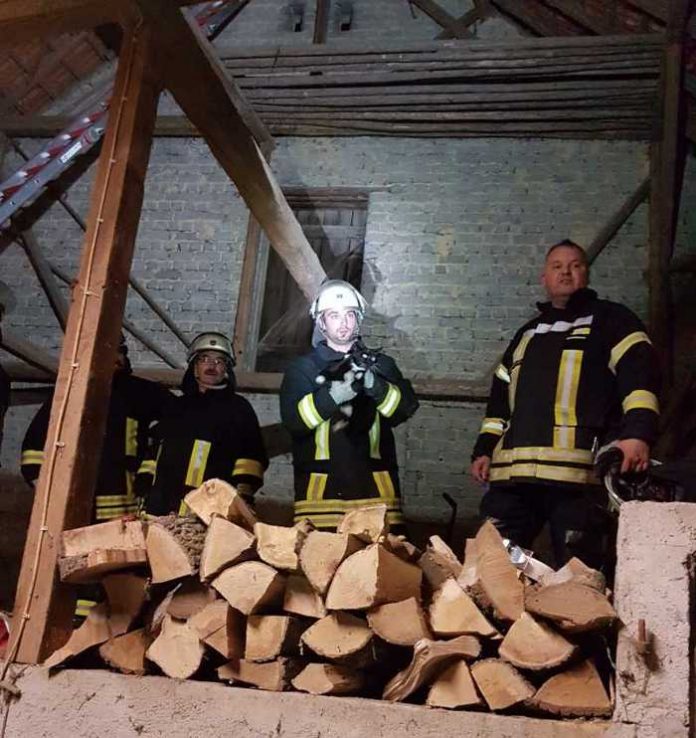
248 466
496 426
623 345
148 466
389 404
641 400
308 411
32 457
197 463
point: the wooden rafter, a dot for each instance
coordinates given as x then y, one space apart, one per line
464 21
533 16
321 21
458 28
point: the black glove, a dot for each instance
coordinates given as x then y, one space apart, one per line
375 386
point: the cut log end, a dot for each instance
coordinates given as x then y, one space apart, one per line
501 685
578 692
328 679
532 645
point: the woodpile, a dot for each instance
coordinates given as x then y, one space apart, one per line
359 611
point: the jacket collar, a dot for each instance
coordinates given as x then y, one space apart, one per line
326 353
578 300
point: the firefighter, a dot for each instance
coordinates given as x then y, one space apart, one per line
581 373
7 303
209 432
341 415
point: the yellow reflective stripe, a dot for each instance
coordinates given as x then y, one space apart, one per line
308 411
148 466
32 457
131 437
109 513
517 357
543 453
197 463
389 404
580 331
82 607
496 426
502 373
385 485
543 471
112 499
564 436
375 437
183 509
321 441
336 505
567 388
641 400
623 345
316 487
331 520
248 466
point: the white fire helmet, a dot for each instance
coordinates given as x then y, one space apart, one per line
211 341
338 295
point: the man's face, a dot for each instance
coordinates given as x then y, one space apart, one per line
210 368
565 272
340 326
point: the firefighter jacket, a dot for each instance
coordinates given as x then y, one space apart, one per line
343 462
571 379
134 405
203 435
4 399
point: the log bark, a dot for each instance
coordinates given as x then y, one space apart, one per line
251 586
498 586
189 599
501 685
321 555
222 628
174 547
429 659
270 636
279 546
126 653
215 497
226 544
452 613
578 692
454 687
273 676
576 571
338 637
399 623
370 577
177 650
328 679
368 523
574 608
93 566
301 599
532 645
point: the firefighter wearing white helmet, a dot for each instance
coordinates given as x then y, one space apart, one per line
340 403
209 432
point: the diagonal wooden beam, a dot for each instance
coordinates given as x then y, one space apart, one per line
200 86
464 21
531 15
28 352
436 12
603 23
63 500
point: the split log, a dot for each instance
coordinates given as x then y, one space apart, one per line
439 563
215 497
368 523
532 645
338 637
578 692
225 544
452 613
322 554
328 679
429 659
301 599
222 628
280 546
574 608
445 554
251 586
399 623
273 676
154 623
90 552
177 650
454 687
402 548
190 599
174 547
271 636
95 630
501 685
126 595
577 572
497 586
468 575
126 653
372 576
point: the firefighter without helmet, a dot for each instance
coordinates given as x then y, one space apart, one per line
211 341
338 295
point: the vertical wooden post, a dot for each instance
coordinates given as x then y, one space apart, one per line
321 21
64 493
666 171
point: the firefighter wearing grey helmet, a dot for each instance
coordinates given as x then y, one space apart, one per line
340 413
211 341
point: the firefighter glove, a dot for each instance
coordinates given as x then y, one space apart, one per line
342 390
375 386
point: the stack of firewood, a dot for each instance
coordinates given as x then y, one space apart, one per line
359 611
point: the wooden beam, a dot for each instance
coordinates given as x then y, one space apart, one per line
531 15
199 85
321 21
436 12
605 22
612 226
29 352
666 170
464 21
64 494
